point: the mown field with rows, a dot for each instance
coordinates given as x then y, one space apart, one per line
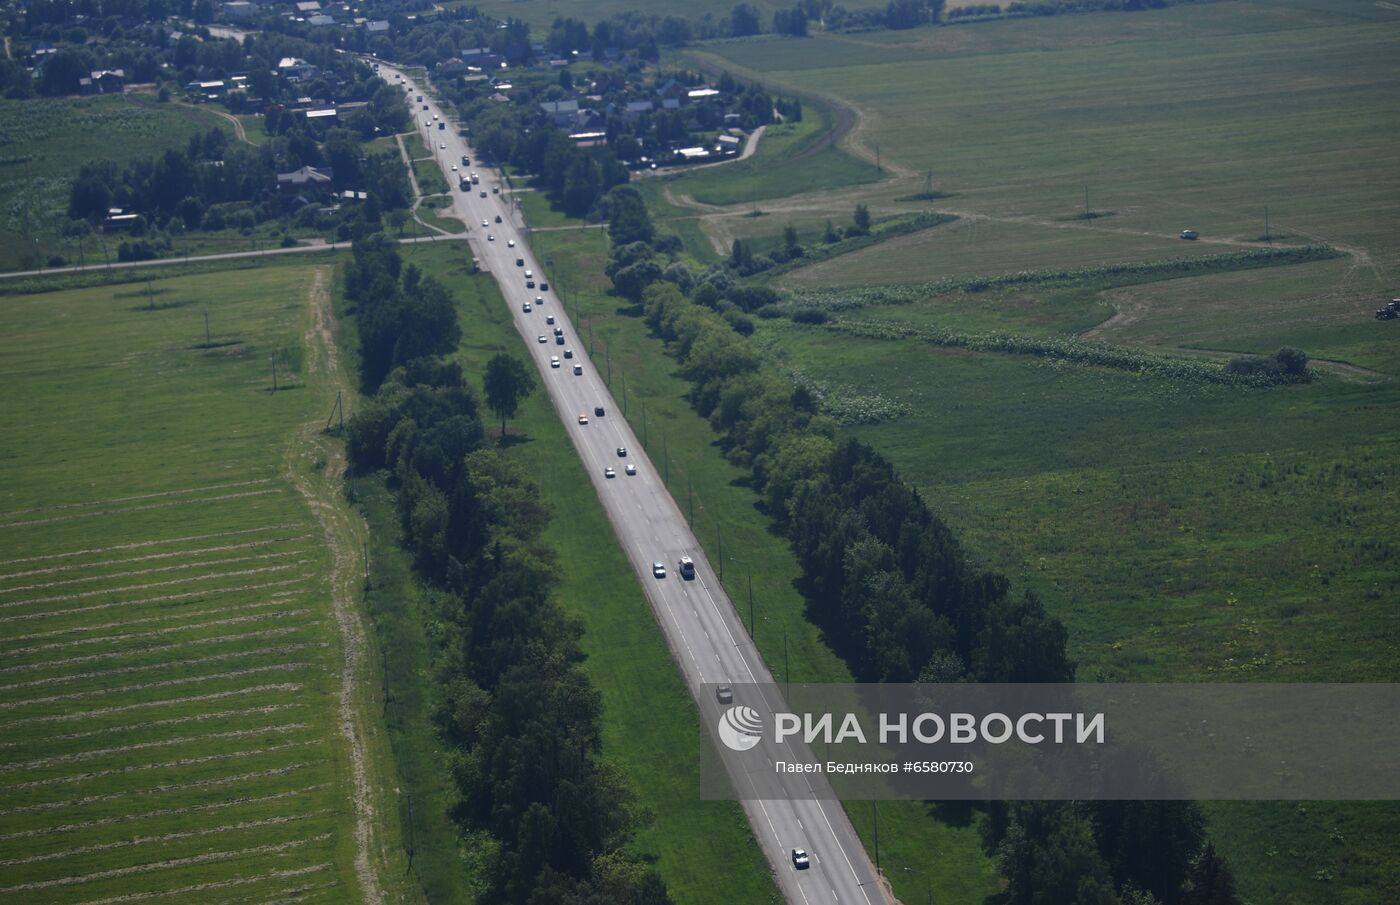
169 660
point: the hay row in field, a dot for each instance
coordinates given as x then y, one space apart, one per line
160 648
149 600
164 765
275 599
141 545
132 499
109 576
85 801
147 686
208 576
168 702
198 551
29 523
222 884
205 858
153 724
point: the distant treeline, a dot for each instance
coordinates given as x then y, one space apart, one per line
516 710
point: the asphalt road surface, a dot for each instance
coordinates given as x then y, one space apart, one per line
704 631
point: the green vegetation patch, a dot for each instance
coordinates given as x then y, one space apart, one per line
170 660
44 141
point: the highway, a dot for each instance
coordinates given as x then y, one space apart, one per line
706 636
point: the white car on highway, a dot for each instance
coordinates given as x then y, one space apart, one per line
630 469
554 361
658 569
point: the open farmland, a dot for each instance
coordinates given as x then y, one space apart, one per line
1193 116
1183 529
44 142
172 659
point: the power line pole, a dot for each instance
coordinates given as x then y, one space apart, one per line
1267 237
1086 201
208 338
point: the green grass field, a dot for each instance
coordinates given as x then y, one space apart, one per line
42 144
1193 116
171 661
1185 532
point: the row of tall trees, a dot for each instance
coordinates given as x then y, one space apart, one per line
900 600
519 716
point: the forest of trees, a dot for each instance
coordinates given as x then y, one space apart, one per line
518 715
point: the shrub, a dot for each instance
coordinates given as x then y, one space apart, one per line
809 316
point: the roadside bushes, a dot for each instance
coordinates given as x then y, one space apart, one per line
907 293
1287 365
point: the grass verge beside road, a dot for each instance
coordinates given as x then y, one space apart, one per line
649 721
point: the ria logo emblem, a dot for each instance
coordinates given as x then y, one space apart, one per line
740 728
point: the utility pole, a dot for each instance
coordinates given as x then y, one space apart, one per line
878 165
719 539
208 338
1086 201
690 501
607 353
666 458
273 358
1267 237
644 425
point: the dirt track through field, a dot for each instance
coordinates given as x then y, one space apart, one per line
339 525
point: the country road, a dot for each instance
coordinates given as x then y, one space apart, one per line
705 634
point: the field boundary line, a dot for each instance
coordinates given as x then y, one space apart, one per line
325 499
